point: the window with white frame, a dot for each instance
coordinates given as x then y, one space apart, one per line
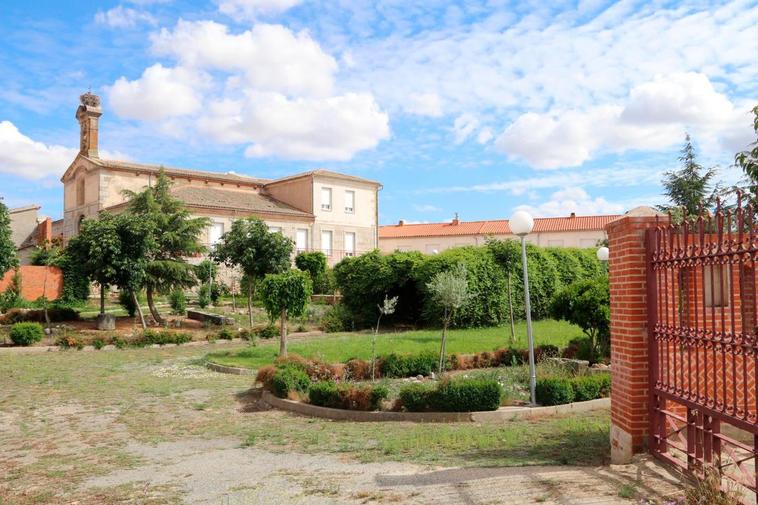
301 239
215 231
349 243
326 242
349 202
326 198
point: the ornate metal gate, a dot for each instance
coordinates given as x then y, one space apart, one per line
703 345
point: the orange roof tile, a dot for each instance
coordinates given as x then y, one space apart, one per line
495 227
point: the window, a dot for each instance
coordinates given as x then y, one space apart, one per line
349 244
301 240
716 285
215 231
326 242
326 198
349 202
275 229
80 191
555 243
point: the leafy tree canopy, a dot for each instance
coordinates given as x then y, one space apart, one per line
8 258
288 291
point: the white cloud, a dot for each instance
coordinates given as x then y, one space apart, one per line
123 17
655 116
253 9
271 57
426 208
425 104
573 199
464 126
24 157
333 128
485 135
160 93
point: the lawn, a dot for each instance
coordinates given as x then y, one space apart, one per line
343 346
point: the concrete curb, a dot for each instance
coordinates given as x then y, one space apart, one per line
497 416
110 347
233 370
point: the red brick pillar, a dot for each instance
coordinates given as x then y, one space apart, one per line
629 336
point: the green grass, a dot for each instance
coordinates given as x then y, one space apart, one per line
343 346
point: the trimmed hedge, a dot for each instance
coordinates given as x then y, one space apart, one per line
347 396
558 390
462 395
26 334
289 379
408 365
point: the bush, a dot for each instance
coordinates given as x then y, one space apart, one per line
126 300
467 395
289 379
26 333
204 296
336 319
226 333
152 337
591 387
398 365
586 303
268 332
379 393
98 343
554 391
294 360
358 369
347 396
325 394
265 376
178 302
315 264
56 312
69 342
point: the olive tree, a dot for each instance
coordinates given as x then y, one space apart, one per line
286 295
449 289
257 251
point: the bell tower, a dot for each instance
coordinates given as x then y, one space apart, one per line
88 114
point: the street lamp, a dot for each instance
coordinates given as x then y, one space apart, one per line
602 255
521 224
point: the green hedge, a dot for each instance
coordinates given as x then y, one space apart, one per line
347 396
461 395
26 333
288 379
558 390
408 365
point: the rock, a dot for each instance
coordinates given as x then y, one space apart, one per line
432 376
106 322
420 377
47 331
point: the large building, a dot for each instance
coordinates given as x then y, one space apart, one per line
570 231
29 230
319 210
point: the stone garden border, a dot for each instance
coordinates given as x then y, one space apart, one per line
488 417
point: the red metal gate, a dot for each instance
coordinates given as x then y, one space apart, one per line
702 346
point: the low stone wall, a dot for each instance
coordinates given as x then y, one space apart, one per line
233 370
495 416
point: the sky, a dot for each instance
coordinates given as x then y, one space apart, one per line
478 107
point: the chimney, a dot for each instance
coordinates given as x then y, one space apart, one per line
573 215
401 222
88 114
455 220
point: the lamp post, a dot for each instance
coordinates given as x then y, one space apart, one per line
602 255
521 224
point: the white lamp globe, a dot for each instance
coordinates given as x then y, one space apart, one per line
521 223
602 254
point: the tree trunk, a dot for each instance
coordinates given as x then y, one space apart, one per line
283 335
44 295
153 309
234 300
510 309
139 310
102 299
442 345
373 349
250 291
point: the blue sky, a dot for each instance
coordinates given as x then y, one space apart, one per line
476 107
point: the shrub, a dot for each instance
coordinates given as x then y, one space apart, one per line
358 369
69 342
98 343
591 387
56 313
347 396
204 296
546 351
126 300
315 264
294 360
265 376
379 393
416 397
268 332
586 303
178 302
289 379
152 337
399 365
226 333
325 394
467 395
554 391
336 319
26 334
119 343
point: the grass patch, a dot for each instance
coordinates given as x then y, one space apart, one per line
343 346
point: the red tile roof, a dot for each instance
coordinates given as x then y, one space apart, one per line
495 227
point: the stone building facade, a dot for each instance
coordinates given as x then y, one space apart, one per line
319 210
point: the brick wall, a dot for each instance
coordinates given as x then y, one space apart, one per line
35 282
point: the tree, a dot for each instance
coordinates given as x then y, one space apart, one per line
586 303
250 246
47 255
286 295
748 160
690 188
174 235
113 250
449 289
8 258
387 308
315 264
